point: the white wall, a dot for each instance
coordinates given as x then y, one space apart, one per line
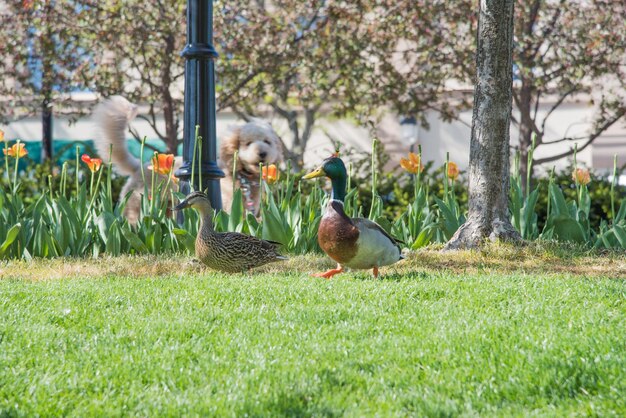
572 119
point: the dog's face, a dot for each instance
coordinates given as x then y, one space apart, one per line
257 143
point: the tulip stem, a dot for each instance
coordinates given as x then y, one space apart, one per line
63 186
260 182
6 160
155 164
93 193
199 142
77 170
613 181
109 168
17 159
193 161
235 159
91 185
50 188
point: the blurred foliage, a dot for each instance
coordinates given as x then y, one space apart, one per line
599 190
36 178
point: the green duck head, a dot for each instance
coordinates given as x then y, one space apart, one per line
335 170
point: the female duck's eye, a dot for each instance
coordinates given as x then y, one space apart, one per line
267 142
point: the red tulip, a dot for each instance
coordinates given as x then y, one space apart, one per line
94 164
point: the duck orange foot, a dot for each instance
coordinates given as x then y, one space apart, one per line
330 273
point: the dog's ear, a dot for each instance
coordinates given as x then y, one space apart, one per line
228 146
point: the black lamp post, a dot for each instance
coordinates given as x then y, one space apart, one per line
46 124
200 104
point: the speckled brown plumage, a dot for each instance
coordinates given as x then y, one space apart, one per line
230 252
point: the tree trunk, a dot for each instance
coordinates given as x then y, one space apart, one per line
297 150
489 147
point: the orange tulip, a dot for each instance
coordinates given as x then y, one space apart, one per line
453 170
270 173
17 150
94 164
162 163
581 176
413 164
1 135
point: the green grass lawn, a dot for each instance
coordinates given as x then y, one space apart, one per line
442 335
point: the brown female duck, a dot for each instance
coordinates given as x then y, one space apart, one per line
230 252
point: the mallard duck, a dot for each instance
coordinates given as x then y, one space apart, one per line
230 252
356 243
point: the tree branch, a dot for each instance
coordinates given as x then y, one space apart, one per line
592 137
525 118
224 100
548 30
309 121
152 122
556 105
567 138
145 144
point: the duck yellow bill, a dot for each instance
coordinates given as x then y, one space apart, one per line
318 172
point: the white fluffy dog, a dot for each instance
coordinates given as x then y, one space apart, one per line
256 142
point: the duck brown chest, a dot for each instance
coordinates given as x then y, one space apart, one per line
337 234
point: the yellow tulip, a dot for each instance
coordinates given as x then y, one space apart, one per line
162 163
270 173
413 164
581 176
17 150
453 170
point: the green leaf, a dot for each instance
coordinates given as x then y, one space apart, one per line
113 243
621 214
272 227
186 239
620 234
529 217
253 224
560 206
568 229
450 222
104 222
134 240
221 221
11 236
424 238
158 238
235 222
